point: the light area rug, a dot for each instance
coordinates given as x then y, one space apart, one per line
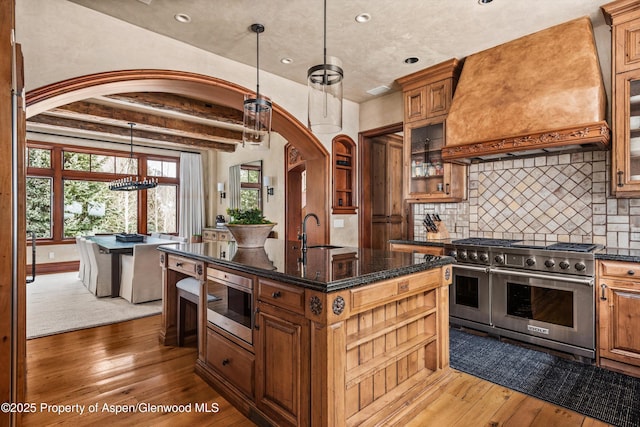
59 303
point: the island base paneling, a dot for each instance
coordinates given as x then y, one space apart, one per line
367 354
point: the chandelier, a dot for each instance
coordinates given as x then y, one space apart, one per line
325 91
256 121
132 182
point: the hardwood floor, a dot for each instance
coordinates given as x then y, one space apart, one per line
124 364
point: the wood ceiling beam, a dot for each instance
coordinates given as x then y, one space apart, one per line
83 110
66 123
182 105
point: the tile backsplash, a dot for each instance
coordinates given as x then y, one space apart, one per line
553 198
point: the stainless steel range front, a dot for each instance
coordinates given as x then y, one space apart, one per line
534 293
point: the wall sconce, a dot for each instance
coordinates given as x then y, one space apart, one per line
223 195
266 180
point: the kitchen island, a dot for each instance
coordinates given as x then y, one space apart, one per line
329 337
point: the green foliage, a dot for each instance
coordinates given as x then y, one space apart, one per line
249 216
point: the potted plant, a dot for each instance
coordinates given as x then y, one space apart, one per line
196 238
249 228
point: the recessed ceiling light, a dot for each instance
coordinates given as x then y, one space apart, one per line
379 90
286 61
363 17
411 60
182 17
484 1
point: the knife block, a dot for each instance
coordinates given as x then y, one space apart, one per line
442 233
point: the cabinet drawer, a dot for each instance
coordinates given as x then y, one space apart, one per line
209 235
223 236
620 270
281 295
245 282
233 363
185 265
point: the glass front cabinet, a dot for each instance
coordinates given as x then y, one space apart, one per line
626 152
427 177
427 98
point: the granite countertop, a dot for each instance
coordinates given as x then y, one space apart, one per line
437 243
324 269
618 254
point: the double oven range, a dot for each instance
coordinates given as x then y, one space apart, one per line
540 294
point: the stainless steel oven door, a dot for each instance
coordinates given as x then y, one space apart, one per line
230 307
546 307
470 294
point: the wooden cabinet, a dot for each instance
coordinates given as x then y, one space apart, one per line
618 306
282 354
624 17
215 235
427 98
344 175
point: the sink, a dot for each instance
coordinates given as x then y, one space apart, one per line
324 247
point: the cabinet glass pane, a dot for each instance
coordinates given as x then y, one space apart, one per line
634 130
426 159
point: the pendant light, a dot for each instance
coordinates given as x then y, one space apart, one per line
257 110
132 183
325 91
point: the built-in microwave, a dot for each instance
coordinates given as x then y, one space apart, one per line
230 304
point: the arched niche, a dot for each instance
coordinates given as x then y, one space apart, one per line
202 87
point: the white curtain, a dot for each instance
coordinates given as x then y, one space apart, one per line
234 187
191 195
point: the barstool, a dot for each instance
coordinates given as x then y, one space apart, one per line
188 293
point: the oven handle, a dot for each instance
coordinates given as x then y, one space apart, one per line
584 281
471 268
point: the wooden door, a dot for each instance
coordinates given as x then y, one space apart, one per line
387 216
282 365
619 313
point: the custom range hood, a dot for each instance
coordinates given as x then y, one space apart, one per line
537 94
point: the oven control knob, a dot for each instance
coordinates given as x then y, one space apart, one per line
531 262
453 253
473 256
580 266
550 263
564 265
462 255
484 257
499 259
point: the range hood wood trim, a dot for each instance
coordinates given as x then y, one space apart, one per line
597 135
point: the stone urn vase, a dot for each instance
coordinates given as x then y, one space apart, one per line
250 235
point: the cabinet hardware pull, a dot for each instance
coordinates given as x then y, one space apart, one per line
179 264
225 362
276 294
631 272
603 287
447 188
620 183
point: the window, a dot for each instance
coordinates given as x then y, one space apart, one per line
81 176
91 208
250 189
162 209
39 214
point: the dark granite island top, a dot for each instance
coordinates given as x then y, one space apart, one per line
324 269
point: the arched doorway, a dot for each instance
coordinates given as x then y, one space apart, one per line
203 87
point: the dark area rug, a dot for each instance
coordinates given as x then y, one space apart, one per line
598 393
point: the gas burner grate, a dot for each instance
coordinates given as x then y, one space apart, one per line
481 241
573 247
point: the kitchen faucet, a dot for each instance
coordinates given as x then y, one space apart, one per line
303 235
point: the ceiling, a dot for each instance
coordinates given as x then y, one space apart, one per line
372 53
